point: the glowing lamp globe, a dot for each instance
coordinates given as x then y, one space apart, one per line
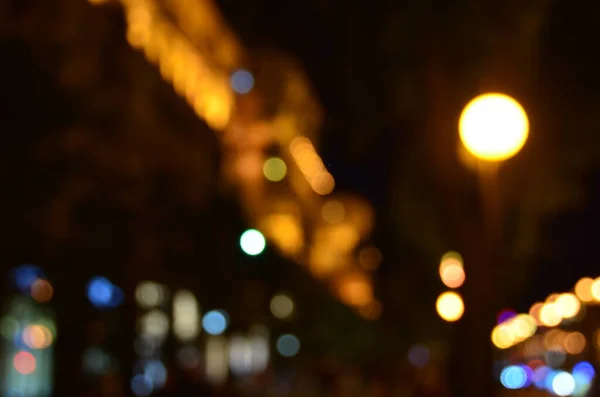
493 127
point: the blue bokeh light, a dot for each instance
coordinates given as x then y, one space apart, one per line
288 345
513 377
156 371
539 376
25 275
214 322
584 371
103 294
141 386
242 81
419 356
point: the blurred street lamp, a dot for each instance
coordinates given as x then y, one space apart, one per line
493 127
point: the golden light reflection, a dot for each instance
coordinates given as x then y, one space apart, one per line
535 312
450 306
285 231
554 339
583 289
355 290
311 166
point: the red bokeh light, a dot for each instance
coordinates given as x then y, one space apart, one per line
24 363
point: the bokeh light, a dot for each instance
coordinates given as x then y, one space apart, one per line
584 371
288 345
103 294
96 361
583 289
506 315
493 127
24 363
42 291
450 306
252 242
186 316
595 289
567 305
37 337
574 343
419 356
25 275
333 212
156 371
274 169
563 384
149 294
549 316
242 81
282 306
214 322
513 377
141 385
452 275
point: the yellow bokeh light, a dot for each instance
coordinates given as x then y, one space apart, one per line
450 306
37 337
596 289
523 326
567 305
285 230
502 336
554 339
583 289
453 275
549 316
282 306
355 290
274 169
323 183
493 127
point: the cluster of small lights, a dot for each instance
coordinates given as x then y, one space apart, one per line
449 305
558 382
311 166
513 331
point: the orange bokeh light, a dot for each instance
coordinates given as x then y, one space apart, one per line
42 291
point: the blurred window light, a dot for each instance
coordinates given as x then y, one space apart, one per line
252 242
282 306
141 385
42 291
450 306
583 289
96 361
214 322
240 355
563 384
149 294
103 294
216 360
418 356
333 212
274 169
25 275
186 316
370 258
24 363
288 345
242 81
513 377
155 324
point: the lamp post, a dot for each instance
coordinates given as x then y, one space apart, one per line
493 128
